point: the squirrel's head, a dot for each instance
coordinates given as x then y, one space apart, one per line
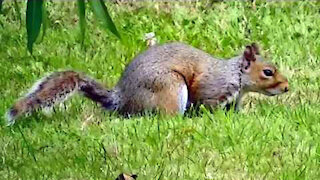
261 76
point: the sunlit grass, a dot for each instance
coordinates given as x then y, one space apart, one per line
271 138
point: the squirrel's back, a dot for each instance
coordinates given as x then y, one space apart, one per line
164 57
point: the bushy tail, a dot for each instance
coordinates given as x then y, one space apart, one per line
56 88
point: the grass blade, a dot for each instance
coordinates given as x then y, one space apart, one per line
34 21
44 20
17 7
82 20
101 12
30 149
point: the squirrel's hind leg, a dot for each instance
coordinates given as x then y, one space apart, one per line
173 99
167 93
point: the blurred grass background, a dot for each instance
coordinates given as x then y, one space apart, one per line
271 138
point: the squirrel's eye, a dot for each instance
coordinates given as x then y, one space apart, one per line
268 72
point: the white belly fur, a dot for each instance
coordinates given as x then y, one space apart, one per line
183 98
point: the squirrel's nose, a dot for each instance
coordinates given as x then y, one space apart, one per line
285 87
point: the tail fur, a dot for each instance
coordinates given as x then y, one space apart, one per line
55 89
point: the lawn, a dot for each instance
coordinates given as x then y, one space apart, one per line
270 138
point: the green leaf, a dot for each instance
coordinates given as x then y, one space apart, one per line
101 12
34 21
1 1
82 20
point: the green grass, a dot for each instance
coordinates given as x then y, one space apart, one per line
271 138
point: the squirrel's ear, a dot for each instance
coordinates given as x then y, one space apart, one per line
249 55
250 52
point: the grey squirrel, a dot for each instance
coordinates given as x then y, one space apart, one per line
167 78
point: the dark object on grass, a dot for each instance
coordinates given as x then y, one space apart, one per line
123 176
